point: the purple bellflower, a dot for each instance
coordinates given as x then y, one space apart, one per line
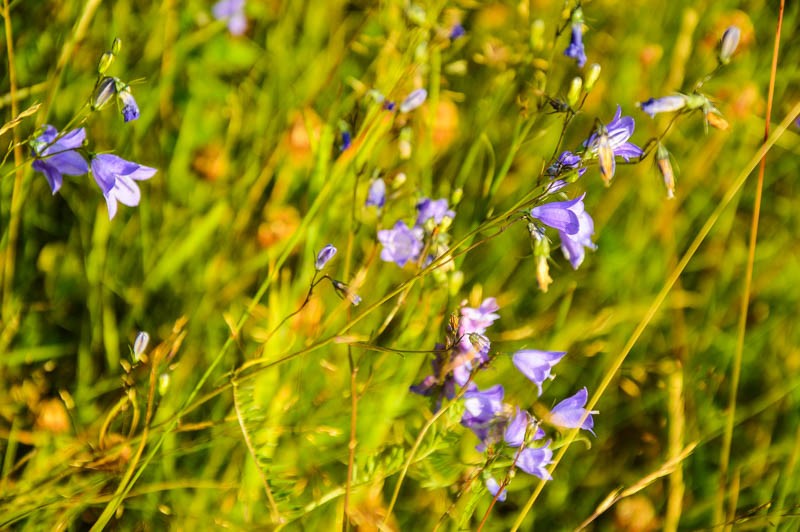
376 196
568 413
561 215
665 104
612 141
574 246
436 209
117 178
730 41
54 158
401 244
233 12
566 161
517 427
324 256
575 50
413 100
481 408
477 320
130 111
494 487
536 365
535 460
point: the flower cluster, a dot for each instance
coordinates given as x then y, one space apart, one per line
502 428
403 244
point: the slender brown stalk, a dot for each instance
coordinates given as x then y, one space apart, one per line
727 438
351 448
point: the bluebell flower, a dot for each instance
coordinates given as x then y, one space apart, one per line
536 365
130 111
54 158
534 461
117 178
481 407
470 353
568 413
516 428
433 209
401 244
457 31
665 104
413 100
611 141
574 246
324 256
494 487
561 215
376 196
575 49
233 12
477 320
566 161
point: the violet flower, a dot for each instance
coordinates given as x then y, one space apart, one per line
130 111
536 365
494 487
435 209
560 215
619 130
401 244
665 104
54 158
481 408
233 12
117 178
535 460
575 50
568 413
376 196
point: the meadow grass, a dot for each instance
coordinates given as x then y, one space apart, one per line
265 402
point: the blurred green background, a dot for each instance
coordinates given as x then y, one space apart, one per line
251 184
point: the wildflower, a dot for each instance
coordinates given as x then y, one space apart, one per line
568 413
233 12
665 167
401 244
413 100
536 365
117 178
324 256
347 140
377 194
611 141
457 31
494 487
516 428
592 76
575 50
561 215
433 209
130 111
665 104
730 40
574 246
477 320
57 157
481 408
535 460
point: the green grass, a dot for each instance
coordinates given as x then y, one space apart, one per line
255 423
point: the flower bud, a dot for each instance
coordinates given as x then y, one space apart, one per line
105 62
574 93
105 90
413 100
163 384
665 167
345 292
116 46
730 40
455 197
592 76
376 196
140 344
324 256
130 111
